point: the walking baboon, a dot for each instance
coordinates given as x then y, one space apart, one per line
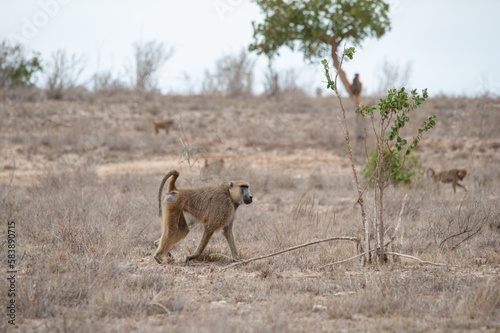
450 176
164 124
356 88
212 205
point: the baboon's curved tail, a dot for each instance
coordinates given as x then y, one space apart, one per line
433 173
171 186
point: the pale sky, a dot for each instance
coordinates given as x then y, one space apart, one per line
452 45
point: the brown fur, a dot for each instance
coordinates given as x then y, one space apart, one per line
449 176
212 205
164 124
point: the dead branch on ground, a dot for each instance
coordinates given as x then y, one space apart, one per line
244 262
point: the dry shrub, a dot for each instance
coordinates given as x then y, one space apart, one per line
85 236
233 76
116 142
30 94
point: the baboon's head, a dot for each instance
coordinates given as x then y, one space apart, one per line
240 193
461 174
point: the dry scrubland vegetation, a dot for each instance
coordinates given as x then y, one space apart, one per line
85 176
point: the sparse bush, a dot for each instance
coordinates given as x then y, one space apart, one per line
271 81
63 73
190 155
452 227
233 76
283 83
15 68
105 82
394 112
149 57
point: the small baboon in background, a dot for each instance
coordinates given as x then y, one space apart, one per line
212 168
212 205
450 176
356 88
164 124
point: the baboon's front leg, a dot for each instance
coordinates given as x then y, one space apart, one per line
207 234
228 233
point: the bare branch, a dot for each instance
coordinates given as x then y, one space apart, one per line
244 262
161 306
342 261
415 258
343 125
399 221
391 253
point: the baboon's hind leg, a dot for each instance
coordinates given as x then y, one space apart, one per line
182 229
176 229
180 234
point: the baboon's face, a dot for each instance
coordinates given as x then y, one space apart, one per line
461 174
246 195
240 192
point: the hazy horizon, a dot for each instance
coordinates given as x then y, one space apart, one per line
450 45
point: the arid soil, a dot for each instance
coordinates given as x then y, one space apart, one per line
80 179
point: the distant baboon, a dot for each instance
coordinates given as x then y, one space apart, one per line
215 167
164 124
212 205
450 176
356 85
356 88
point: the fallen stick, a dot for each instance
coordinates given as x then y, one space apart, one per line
345 260
244 262
415 258
391 253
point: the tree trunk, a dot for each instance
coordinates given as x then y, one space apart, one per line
342 74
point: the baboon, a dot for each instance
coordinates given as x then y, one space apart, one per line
215 167
356 87
212 205
450 176
164 124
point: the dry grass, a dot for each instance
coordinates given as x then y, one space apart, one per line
85 178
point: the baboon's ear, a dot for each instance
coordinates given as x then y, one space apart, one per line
231 184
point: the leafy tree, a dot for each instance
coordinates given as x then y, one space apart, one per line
311 25
15 68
